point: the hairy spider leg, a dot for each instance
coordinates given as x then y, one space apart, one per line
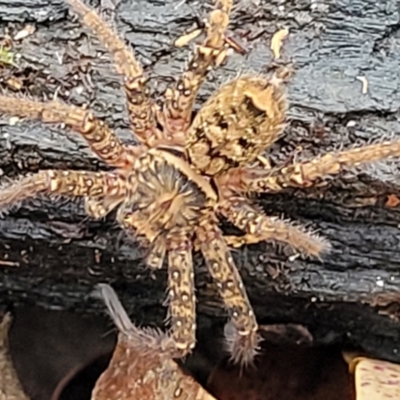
142 365
98 135
142 110
305 174
179 100
68 183
243 343
181 297
260 227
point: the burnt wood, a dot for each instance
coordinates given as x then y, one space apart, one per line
52 255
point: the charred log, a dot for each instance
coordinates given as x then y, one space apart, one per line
344 92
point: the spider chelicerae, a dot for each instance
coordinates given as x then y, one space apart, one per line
185 172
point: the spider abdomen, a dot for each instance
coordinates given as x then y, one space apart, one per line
236 125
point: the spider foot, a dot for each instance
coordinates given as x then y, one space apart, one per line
242 347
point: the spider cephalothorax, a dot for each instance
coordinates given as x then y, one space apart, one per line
184 174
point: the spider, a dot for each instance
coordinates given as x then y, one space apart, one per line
186 172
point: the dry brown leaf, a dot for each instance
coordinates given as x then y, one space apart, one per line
10 387
142 366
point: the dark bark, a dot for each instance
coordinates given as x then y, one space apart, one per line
51 255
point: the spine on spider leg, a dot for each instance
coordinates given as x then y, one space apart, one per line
241 336
181 297
69 183
98 135
141 108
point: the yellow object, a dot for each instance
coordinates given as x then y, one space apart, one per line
374 379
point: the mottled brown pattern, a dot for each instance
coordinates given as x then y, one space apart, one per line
142 366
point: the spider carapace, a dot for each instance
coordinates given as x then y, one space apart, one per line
185 172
